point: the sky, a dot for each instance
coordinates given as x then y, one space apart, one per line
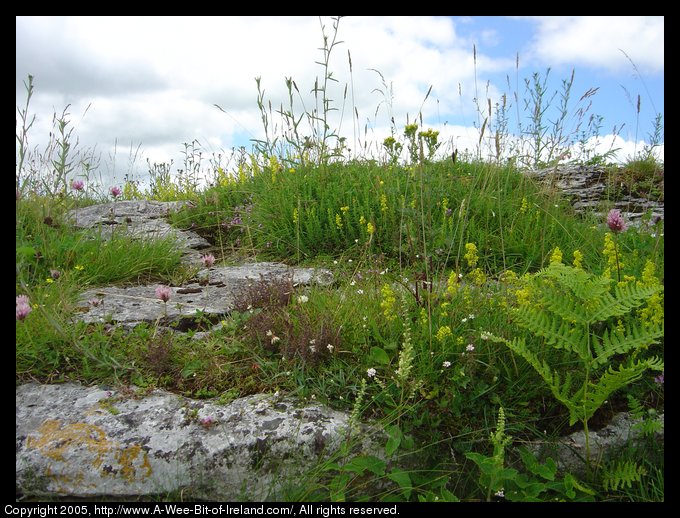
138 88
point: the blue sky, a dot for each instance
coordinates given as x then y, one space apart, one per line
151 83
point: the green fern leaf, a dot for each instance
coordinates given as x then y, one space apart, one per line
634 337
625 299
622 473
611 381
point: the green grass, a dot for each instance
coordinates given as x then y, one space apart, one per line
441 410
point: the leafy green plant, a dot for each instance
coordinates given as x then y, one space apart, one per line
570 312
539 484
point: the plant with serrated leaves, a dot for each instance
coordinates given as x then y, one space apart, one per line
539 484
622 473
577 312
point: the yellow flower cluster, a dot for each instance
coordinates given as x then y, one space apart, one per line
296 216
370 228
653 312
452 283
609 252
388 302
524 207
477 277
556 256
578 259
471 254
338 221
383 202
443 333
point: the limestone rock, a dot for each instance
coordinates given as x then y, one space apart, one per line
139 218
77 441
569 452
133 305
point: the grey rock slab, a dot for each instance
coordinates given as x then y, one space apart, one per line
84 442
570 452
587 185
138 218
135 304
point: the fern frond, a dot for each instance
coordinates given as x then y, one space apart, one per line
635 408
635 337
611 381
571 310
584 285
625 299
622 473
557 332
552 378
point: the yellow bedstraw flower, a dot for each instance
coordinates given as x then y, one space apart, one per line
471 254
556 256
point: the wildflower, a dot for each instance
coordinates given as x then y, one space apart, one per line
79 267
352 283
477 276
452 283
275 339
95 302
55 274
115 191
443 333
330 348
485 335
500 493
383 203
338 221
302 299
471 254
470 348
371 372
207 422
77 185
446 364
208 260
49 280
388 302
163 293
524 207
370 228
659 379
23 307
578 259
312 349
556 256
615 221
344 210
360 292
296 216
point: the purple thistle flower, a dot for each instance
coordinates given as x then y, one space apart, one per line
77 185
615 221
95 302
659 379
55 274
23 307
163 293
115 191
208 260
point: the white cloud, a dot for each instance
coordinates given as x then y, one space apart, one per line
595 41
